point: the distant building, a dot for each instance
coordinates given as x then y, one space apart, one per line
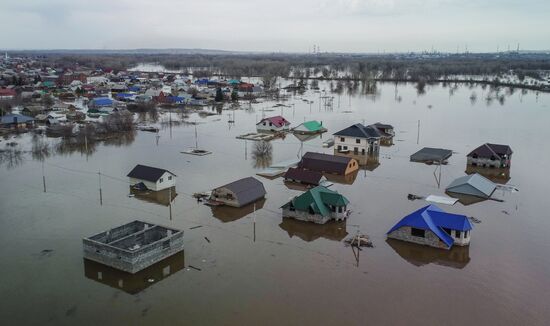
325 163
318 205
7 94
491 156
276 123
357 139
100 102
16 121
431 226
239 193
152 178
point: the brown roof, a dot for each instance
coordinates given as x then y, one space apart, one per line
324 163
488 150
303 176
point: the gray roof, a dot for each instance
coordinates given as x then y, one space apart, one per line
148 173
473 185
359 131
246 190
431 154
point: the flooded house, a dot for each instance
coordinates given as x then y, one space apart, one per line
239 193
310 127
276 123
133 246
318 205
491 156
147 177
386 132
431 226
100 102
431 155
325 163
474 185
303 176
16 121
357 139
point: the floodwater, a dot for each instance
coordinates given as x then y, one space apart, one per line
246 268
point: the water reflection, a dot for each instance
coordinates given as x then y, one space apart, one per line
227 214
496 175
347 179
11 157
307 231
163 197
418 255
262 154
134 283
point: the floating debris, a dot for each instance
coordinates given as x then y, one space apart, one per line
195 227
195 268
505 212
360 240
148 128
206 238
474 220
261 136
414 197
196 151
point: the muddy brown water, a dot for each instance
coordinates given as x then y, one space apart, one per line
288 273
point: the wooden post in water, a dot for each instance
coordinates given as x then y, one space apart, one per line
100 192
254 222
43 176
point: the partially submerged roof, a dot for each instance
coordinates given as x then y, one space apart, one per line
278 121
247 190
473 185
488 150
435 219
431 154
359 131
312 125
304 176
12 118
319 199
324 162
102 101
148 173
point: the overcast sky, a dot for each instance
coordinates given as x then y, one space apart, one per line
276 25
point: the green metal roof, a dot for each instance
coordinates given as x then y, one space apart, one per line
313 125
318 200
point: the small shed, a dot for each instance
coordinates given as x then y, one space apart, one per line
430 155
318 205
304 176
472 185
239 193
152 178
326 163
433 227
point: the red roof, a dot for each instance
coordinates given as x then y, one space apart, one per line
277 121
7 92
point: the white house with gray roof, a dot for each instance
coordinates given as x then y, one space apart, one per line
357 139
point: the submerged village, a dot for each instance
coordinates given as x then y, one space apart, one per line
311 191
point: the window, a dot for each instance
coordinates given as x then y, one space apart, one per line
169 177
448 231
342 139
465 234
270 124
339 147
457 234
358 141
418 233
161 180
355 150
363 151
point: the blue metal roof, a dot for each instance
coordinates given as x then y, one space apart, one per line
124 95
102 101
10 118
435 219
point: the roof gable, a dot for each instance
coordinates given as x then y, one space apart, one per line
318 199
359 131
474 185
148 173
434 219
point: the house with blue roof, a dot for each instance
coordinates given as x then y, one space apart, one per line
99 102
431 226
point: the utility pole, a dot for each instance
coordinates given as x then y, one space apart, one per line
418 134
196 140
170 201
254 222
